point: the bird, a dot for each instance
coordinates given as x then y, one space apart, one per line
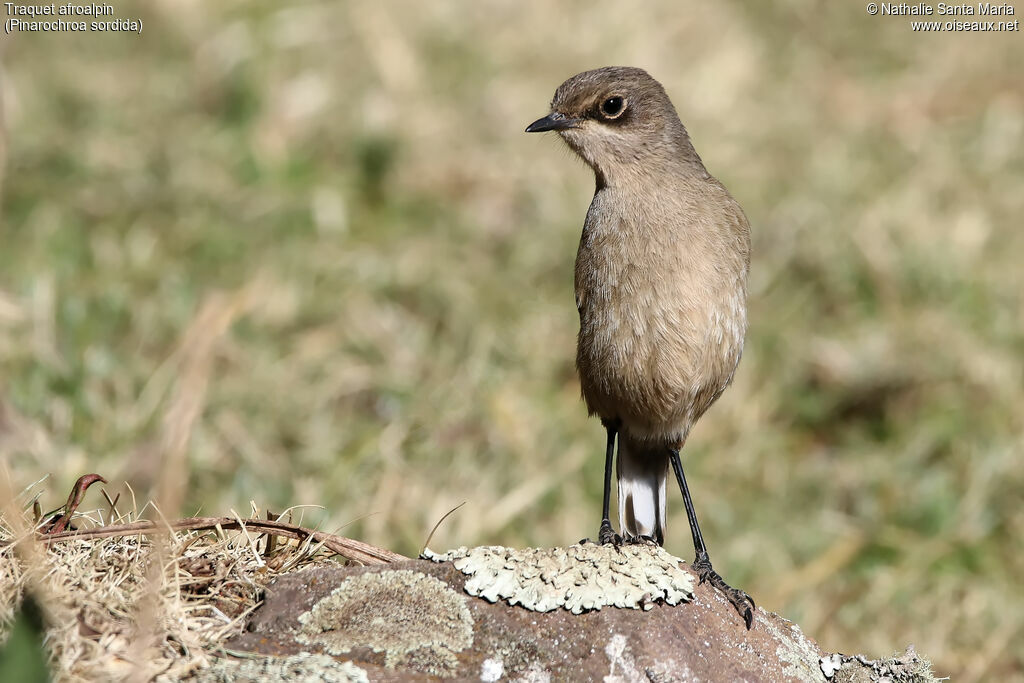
661 288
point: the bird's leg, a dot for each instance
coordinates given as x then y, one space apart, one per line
607 535
743 603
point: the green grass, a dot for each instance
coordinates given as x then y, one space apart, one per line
405 337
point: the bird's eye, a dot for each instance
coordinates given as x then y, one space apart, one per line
613 106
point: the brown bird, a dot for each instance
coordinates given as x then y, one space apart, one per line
661 284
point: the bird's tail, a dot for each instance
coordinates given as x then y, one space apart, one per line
642 475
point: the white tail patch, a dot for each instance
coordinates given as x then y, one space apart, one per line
642 475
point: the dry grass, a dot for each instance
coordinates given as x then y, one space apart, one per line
129 609
347 186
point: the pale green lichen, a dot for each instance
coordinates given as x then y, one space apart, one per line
796 651
908 667
301 668
415 620
578 578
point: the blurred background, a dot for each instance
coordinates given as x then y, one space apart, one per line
303 253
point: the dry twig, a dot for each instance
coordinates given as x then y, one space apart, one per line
74 500
357 551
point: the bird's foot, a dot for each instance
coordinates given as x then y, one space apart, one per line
743 603
607 535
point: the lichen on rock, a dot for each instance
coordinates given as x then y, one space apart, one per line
908 667
301 668
578 578
415 620
797 653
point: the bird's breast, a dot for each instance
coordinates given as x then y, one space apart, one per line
661 325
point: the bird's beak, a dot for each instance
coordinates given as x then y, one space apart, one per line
553 121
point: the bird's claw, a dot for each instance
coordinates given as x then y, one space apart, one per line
607 536
743 603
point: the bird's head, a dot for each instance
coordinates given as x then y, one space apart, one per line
620 121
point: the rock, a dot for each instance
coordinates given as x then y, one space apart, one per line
578 613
